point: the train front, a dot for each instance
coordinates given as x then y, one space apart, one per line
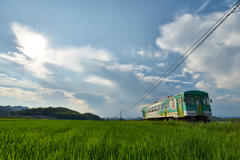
197 105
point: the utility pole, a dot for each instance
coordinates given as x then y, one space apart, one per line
120 115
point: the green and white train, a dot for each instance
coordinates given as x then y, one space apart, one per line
189 105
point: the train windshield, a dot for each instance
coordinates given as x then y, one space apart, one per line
189 99
206 100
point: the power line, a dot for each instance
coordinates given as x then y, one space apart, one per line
183 57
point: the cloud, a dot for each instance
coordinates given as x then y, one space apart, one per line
34 59
95 101
178 86
143 68
204 86
82 78
98 80
30 43
196 76
203 6
19 94
218 58
55 96
160 64
53 74
228 97
144 53
5 80
141 52
226 105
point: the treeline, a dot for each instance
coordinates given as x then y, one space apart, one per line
59 113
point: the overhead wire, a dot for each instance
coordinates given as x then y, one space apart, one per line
183 57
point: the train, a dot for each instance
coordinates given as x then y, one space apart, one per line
191 105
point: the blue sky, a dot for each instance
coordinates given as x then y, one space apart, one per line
99 56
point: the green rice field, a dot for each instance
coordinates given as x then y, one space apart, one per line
68 139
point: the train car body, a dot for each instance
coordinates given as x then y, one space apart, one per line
190 105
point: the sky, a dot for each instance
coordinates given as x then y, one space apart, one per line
100 56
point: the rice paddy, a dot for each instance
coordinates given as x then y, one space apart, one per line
68 139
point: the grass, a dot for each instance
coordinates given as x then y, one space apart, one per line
63 139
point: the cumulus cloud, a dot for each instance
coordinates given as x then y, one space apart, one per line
218 58
204 86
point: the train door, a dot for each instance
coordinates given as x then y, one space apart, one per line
199 105
180 108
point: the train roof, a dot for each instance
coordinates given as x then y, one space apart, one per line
195 92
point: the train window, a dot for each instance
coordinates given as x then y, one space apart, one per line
189 99
198 101
156 108
159 107
162 106
206 100
167 105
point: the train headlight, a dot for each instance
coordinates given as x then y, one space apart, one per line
190 109
209 109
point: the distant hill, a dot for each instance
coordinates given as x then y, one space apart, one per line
236 117
213 118
5 110
58 112
17 108
91 116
